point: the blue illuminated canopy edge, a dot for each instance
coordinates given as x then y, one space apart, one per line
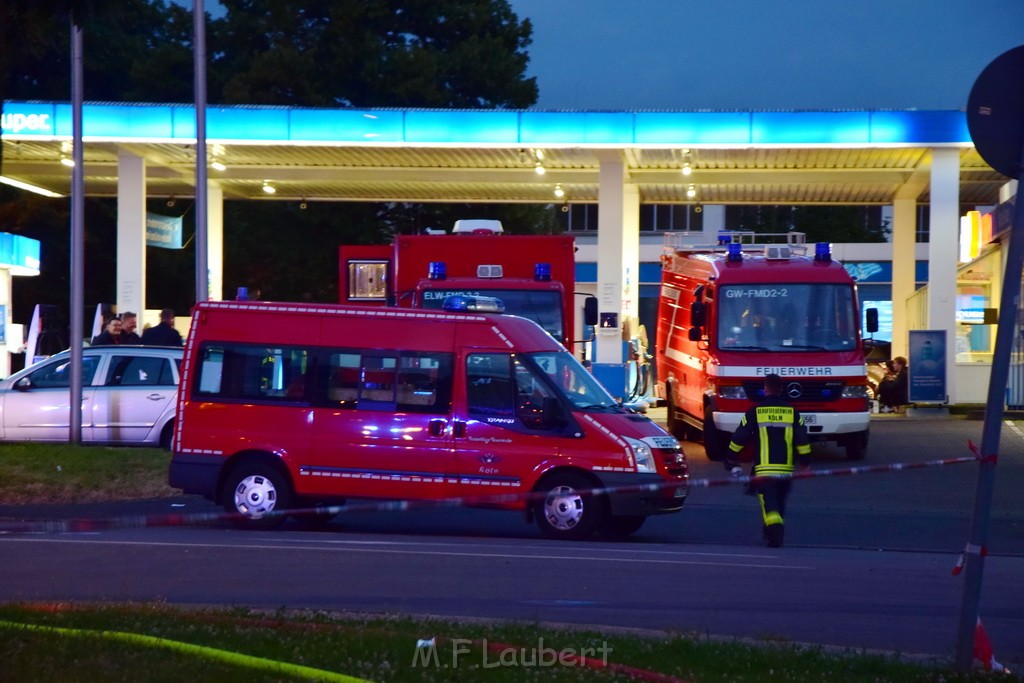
265 124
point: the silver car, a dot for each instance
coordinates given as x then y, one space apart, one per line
129 396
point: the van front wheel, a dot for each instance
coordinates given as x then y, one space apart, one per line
567 509
259 493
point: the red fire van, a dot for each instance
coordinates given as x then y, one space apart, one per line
286 406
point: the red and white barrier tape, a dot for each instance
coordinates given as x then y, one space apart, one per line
130 522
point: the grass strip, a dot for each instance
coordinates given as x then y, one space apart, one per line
232 658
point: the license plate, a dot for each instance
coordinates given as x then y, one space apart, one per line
680 493
810 418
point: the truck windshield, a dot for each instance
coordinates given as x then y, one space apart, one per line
786 317
543 307
574 381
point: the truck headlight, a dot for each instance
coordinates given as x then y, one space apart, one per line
855 391
642 455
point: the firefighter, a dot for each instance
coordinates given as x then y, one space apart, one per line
779 429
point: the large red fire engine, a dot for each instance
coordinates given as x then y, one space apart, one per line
730 314
532 275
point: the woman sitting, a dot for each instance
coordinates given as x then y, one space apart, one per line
892 391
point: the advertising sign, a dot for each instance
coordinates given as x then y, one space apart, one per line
163 231
927 371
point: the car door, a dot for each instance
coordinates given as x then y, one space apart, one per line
135 398
36 407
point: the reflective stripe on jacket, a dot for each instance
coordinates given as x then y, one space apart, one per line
778 426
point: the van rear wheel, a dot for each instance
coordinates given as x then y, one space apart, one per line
258 492
567 509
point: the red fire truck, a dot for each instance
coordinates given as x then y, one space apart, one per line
533 275
732 313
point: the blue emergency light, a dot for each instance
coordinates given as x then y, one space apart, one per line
480 304
437 270
542 272
734 252
823 252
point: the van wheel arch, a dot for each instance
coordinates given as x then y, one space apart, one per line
562 513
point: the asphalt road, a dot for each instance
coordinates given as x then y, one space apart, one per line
868 561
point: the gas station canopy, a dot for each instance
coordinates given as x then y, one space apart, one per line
421 155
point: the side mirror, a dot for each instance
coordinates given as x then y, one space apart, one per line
590 311
23 384
694 334
871 315
698 313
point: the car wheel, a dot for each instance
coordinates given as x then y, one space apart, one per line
621 527
259 492
565 509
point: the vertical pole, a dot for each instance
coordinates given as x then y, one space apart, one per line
974 558
199 58
77 232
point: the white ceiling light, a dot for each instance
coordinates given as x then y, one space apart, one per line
268 188
29 187
559 192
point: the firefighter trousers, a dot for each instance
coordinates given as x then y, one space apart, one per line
772 494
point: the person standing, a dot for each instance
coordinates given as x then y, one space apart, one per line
163 334
111 333
779 430
128 334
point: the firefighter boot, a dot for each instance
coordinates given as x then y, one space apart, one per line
773 534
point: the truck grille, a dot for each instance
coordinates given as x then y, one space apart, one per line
798 390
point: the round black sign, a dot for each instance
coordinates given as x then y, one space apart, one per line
995 113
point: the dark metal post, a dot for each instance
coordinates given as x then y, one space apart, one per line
77 232
199 59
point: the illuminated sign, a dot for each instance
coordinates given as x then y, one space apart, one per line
140 121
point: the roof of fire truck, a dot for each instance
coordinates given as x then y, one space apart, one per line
749 257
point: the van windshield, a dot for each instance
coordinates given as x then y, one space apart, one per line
787 317
574 381
543 307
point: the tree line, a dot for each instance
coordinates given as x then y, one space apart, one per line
315 53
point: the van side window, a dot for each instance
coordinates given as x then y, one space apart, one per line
252 373
489 384
377 383
369 380
425 383
530 394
